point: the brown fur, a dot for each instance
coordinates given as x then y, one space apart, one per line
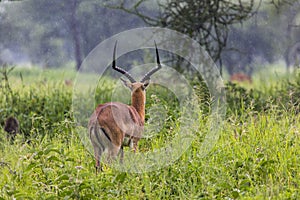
112 122
68 82
240 77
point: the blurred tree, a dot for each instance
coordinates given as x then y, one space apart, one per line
205 21
71 7
269 36
290 9
11 32
9 0
56 19
286 15
251 44
53 32
278 4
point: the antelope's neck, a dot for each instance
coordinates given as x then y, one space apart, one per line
138 102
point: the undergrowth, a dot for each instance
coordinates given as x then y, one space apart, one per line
255 157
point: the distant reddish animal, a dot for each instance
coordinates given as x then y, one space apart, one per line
241 78
68 82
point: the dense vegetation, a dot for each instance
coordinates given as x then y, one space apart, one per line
256 156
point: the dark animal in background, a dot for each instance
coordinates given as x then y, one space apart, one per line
11 127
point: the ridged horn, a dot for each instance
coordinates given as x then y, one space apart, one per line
122 71
151 72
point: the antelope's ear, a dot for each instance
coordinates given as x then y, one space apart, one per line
126 83
146 83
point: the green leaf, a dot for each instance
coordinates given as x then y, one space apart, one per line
61 178
53 158
70 159
83 186
51 198
51 149
235 194
121 177
31 166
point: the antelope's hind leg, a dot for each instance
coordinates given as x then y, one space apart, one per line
113 152
98 146
134 144
121 153
98 152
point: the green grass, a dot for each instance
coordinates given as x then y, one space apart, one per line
256 156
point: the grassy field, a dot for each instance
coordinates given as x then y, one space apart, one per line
255 157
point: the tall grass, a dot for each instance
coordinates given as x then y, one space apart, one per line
256 156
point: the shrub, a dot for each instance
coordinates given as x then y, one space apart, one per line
37 107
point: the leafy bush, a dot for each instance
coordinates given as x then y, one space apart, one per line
283 97
239 100
287 95
38 107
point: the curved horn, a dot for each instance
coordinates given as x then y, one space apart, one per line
122 71
149 74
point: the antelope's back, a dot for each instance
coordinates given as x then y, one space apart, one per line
118 120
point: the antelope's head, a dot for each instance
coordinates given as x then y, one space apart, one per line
137 88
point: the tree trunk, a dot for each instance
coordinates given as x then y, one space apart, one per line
74 27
